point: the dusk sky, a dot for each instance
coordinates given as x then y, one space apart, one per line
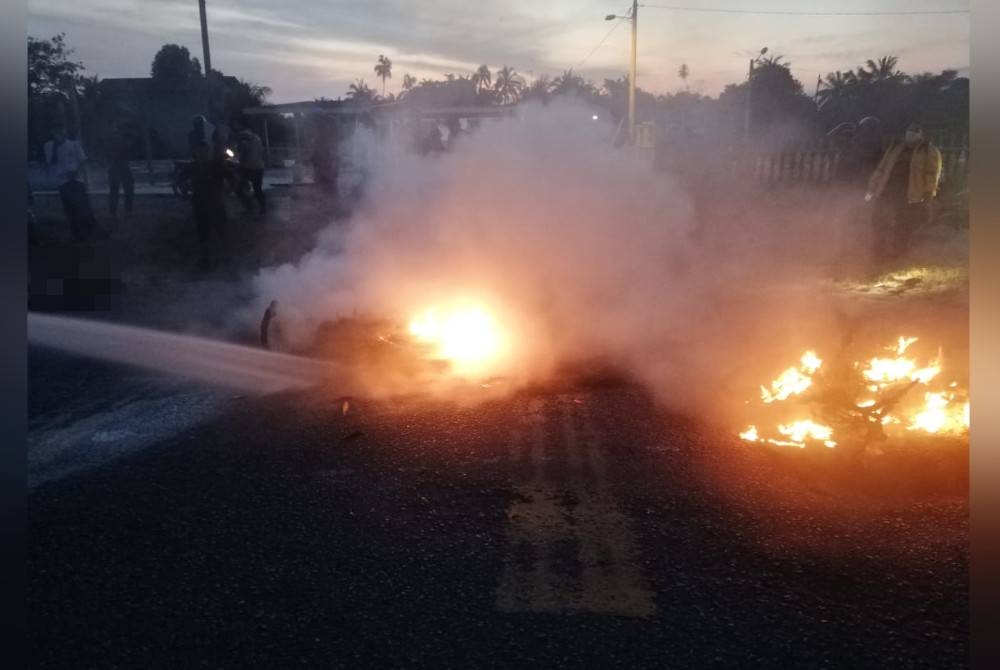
307 49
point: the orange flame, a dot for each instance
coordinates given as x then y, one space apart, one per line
467 337
942 411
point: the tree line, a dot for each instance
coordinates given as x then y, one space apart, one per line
770 101
61 94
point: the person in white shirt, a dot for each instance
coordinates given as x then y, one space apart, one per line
66 160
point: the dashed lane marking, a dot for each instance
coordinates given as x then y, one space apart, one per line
569 544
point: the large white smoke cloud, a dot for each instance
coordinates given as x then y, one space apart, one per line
582 250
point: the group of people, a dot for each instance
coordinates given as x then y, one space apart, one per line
216 169
66 162
900 182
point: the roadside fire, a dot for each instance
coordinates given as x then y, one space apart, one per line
893 394
468 337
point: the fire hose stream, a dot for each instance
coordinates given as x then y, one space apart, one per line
246 368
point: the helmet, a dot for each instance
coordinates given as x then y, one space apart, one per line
869 122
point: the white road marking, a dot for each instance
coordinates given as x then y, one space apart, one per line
569 543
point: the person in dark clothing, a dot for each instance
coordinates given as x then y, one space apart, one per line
432 141
268 324
250 151
842 139
208 198
119 171
454 131
867 149
325 157
202 133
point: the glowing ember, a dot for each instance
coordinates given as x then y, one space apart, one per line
466 337
862 401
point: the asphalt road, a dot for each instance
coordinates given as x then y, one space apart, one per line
177 526
573 526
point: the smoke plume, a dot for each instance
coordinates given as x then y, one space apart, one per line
583 253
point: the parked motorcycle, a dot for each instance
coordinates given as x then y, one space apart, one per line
180 179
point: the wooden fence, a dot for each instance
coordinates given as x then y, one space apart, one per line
817 165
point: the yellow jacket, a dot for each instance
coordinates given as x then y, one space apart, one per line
925 172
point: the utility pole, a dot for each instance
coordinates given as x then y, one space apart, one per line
204 38
631 74
746 120
633 17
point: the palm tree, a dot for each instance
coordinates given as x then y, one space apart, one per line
482 78
359 90
383 70
884 69
836 85
934 81
569 83
539 88
772 61
409 81
683 73
508 85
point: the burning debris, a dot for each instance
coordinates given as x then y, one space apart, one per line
463 341
860 402
468 338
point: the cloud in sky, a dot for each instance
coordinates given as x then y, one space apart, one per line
303 49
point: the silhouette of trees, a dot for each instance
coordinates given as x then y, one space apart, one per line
52 78
774 98
569 83
174 68
508 85
383 70
884 69
878 88
359 91
539 89
50 69
482 78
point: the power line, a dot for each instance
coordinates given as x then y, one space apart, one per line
599 44
722 10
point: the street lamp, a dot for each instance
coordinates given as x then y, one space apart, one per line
633 18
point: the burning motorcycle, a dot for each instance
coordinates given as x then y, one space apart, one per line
463 341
